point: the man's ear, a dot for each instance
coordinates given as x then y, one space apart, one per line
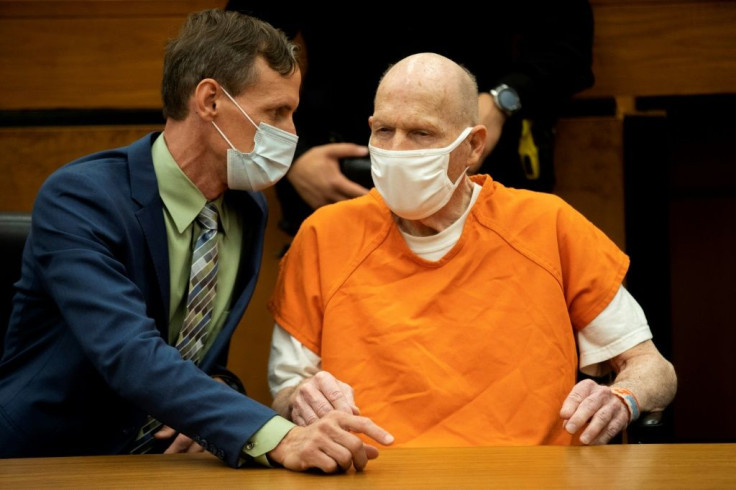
206 98
477 139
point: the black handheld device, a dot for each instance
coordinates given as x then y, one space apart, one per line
358 170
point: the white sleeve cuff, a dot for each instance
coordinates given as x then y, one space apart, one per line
618 328
289 361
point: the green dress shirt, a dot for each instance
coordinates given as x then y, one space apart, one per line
182 202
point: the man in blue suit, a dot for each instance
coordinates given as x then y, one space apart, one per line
93 350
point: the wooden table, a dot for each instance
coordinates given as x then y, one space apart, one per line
650 466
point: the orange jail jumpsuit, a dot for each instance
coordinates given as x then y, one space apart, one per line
477 348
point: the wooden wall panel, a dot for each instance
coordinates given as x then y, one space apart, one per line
93 54
29 155
86 55
589 171
79 63
103 8
664 47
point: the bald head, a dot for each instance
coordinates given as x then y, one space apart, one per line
425 102
432 86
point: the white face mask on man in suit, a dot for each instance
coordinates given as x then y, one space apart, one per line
268 162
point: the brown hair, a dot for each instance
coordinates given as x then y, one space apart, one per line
222 45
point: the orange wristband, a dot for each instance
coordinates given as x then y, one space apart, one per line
629 399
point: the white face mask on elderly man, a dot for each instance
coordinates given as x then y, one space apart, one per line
266 164
414 183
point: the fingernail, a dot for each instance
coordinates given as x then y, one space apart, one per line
388 439
571 428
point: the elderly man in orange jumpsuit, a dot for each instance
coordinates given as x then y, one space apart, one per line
450 309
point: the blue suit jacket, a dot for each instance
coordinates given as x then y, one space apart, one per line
85 357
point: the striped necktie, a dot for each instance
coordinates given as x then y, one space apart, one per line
202 283
200 300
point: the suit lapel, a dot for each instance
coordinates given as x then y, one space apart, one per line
144 191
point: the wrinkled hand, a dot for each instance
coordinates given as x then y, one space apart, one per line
317 396
182 443
595 405
329 444
317 178
493 119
